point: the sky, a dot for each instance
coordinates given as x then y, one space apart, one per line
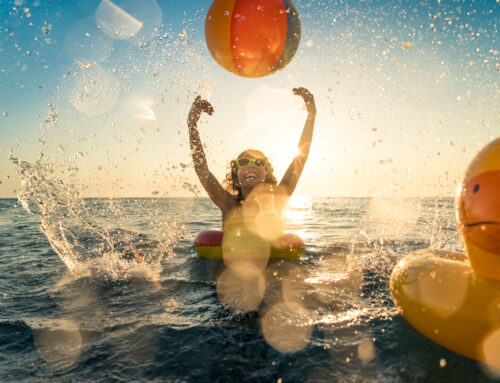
406 93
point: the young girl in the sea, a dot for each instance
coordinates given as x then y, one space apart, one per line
251 170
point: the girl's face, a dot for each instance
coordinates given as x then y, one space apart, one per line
251 174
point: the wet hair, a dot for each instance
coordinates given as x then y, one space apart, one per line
231 183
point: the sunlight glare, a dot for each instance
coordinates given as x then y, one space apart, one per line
394 216
346 316
277 125
143 108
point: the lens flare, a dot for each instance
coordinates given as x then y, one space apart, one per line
261 210
115 22
366 350
241 287
95 91
287 327
85 43
491 352
59 343
293 287
132 21
443 289
243 247
269 226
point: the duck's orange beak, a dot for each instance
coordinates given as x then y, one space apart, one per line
479 211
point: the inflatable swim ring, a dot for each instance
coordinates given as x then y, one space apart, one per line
437 292
453 298
208 244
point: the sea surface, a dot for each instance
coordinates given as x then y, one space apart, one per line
110 290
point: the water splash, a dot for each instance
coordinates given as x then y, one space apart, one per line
84 233
439 229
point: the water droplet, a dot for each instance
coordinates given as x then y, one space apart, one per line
4 113
46 28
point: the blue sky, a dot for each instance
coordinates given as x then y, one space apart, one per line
406 92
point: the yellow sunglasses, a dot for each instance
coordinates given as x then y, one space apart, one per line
257 162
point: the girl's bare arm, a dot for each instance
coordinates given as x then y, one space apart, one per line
292 175
216 192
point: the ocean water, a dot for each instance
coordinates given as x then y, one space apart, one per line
108 290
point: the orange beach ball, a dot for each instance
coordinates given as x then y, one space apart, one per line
252 38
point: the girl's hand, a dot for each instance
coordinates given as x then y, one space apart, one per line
199 106
308 99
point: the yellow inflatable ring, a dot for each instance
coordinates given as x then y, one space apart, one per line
438 293
208 244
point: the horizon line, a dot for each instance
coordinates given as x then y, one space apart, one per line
297 196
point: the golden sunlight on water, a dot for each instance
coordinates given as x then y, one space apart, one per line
346 316
298 209
296 212
331 268
59 343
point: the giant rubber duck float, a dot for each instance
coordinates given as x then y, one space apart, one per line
454 298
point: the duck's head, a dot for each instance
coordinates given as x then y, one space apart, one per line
478 211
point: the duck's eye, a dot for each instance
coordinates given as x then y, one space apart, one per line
476 188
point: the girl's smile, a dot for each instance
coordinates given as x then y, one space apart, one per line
251 175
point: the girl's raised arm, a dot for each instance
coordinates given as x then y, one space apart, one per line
292 175
216 192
